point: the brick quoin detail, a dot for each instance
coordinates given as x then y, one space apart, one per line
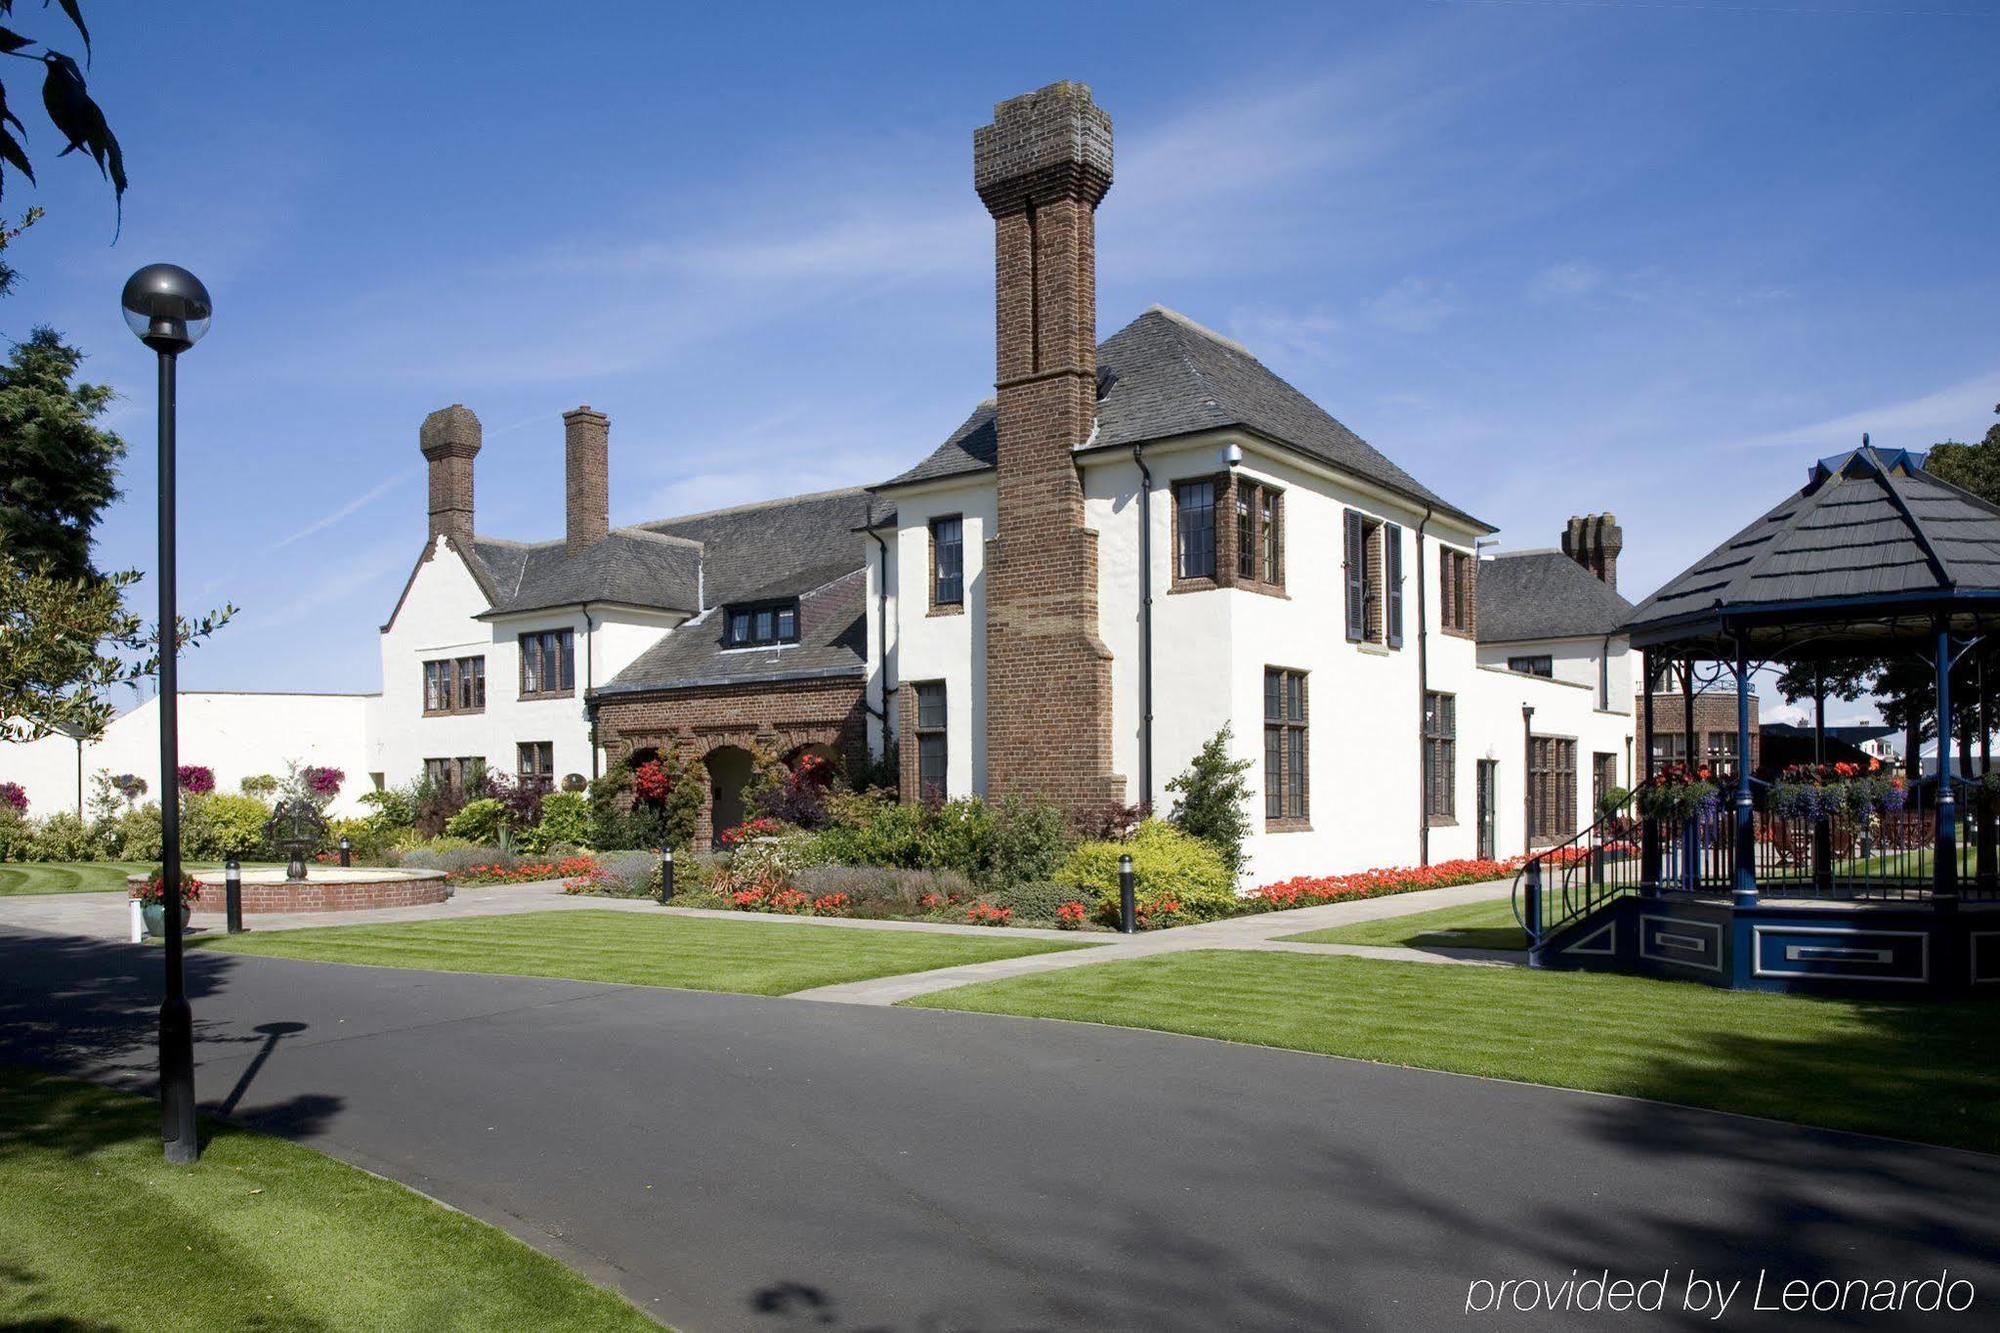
778 716
1041 167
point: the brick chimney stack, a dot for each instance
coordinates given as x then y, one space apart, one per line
586 478
1040 168
450 438
1594 541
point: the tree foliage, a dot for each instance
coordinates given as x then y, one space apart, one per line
1972 467
76 117
58 468
1211 800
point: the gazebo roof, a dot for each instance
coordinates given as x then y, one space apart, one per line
1870 550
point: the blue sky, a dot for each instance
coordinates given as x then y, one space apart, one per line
1552 257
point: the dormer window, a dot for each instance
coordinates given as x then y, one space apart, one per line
764 623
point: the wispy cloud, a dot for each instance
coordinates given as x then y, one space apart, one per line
1957 411
1566 281
1414 305
348 510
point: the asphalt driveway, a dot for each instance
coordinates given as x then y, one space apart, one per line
740 1162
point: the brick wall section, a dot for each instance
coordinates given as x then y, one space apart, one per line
450 439
586 478
779 716
1041 167
1712 712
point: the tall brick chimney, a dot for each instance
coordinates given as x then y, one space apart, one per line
1594 541
586 477
1040 168
450 439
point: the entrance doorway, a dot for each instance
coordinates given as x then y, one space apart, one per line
728 770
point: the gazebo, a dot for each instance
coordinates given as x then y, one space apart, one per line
1848 881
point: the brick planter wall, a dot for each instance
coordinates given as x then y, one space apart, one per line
325 895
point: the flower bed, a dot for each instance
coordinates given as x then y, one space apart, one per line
569 868
1313 890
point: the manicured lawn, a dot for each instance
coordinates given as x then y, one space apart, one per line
1469 926
84 876
1917 1071
98 1232
637 949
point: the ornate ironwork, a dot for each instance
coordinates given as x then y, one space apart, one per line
298 827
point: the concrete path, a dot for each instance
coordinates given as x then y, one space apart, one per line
734 1162
1242 932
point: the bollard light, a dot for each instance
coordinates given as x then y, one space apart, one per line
1128 907
346 852
666 875
169 310
232 894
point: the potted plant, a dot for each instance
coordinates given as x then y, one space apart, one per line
153 900
1679 794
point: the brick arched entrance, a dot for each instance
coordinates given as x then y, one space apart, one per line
780 718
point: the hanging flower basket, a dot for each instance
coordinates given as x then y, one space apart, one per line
1678 794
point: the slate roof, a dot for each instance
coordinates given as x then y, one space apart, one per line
1869 532
750 549
1544 595
630 566
1164 375
833 641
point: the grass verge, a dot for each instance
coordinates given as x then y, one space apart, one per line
87 876
1488 925
1925 1071
638 949
99 1232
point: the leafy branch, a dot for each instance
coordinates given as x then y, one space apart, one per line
67 100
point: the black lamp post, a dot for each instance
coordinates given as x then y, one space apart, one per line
169 310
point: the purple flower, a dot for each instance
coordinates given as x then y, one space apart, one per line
196 779
324 782
11 794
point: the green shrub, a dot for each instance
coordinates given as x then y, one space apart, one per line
1166 863
16 835
63 837
135 835
565 822
261 785
871 830
958 835
1212 800
1030 841
482 820
391 810
366 844
617 820
227 826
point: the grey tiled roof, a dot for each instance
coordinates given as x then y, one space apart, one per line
1164 375
1869 527
629 566
753 547
833 641
1544 595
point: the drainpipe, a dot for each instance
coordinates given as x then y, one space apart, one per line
882 632
1145 627
1423 690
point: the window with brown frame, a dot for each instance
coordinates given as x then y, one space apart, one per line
1285 748
1440 757
1457 585
933 747
459 772
454 685
1246 531
1270 514
548 663
1194 529
1603 778
535 764
1551 789
948 562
